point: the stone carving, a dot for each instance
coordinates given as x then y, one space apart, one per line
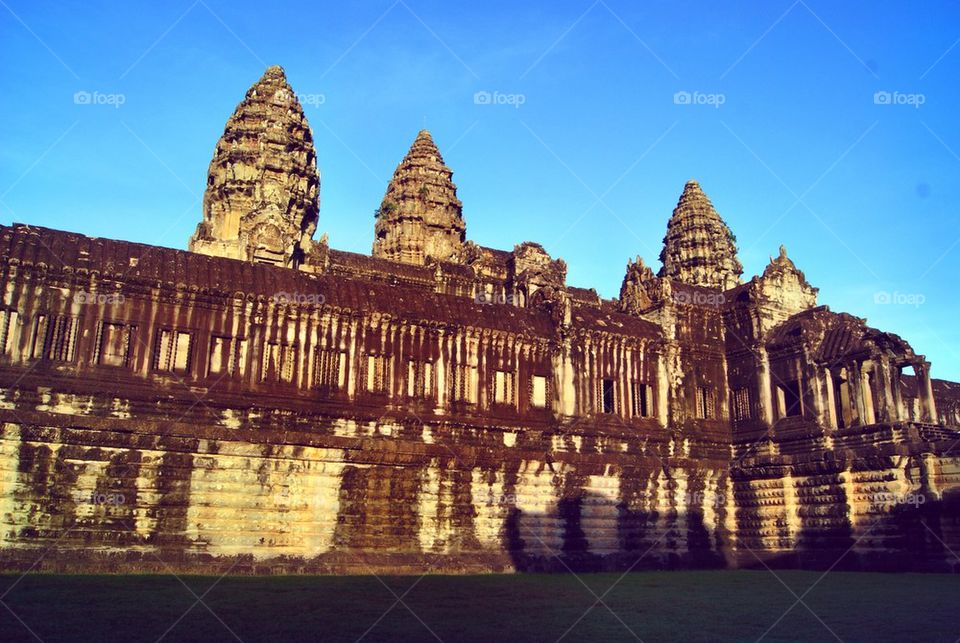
533 269
634 296
784 285
262 198
420 217
699 248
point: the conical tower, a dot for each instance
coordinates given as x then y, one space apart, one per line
262 197
699 248
420 216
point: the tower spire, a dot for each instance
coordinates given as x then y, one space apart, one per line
420 216
262 197
699 248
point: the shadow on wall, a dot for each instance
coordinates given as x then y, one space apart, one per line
920 537
571 540
125 514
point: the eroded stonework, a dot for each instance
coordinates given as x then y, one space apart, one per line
699 248
444 406
262 197
420 217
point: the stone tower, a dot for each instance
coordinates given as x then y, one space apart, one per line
420 216
262 198
699 248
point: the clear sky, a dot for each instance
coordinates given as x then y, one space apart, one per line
584 144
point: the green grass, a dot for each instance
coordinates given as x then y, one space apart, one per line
692 606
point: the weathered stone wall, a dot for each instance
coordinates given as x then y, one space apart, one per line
169 410
100 489
91 487
884 506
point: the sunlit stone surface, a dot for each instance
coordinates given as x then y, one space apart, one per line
266 403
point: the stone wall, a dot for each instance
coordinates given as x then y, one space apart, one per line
170 410
97 487
97 484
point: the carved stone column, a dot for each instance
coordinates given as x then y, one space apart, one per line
867 369
855 391
886 407
899 408
766 386
828 399
928 406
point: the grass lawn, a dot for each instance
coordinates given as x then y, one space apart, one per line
692 606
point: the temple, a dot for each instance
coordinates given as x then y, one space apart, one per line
265 403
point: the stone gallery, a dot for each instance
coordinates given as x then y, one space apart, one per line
264 403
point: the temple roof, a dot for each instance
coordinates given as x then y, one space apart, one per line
152 266
834 337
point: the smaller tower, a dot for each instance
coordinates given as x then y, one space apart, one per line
420 216
699 248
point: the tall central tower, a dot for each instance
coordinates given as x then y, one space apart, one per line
699 248
420 216
262 197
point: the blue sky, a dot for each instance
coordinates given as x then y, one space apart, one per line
584 147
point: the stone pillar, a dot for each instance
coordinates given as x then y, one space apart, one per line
855 391
663 390
868 369
568 393
900 409
585 379
625 375
928 406
888 406
353 359
441 370
815 385
830 407
766 387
